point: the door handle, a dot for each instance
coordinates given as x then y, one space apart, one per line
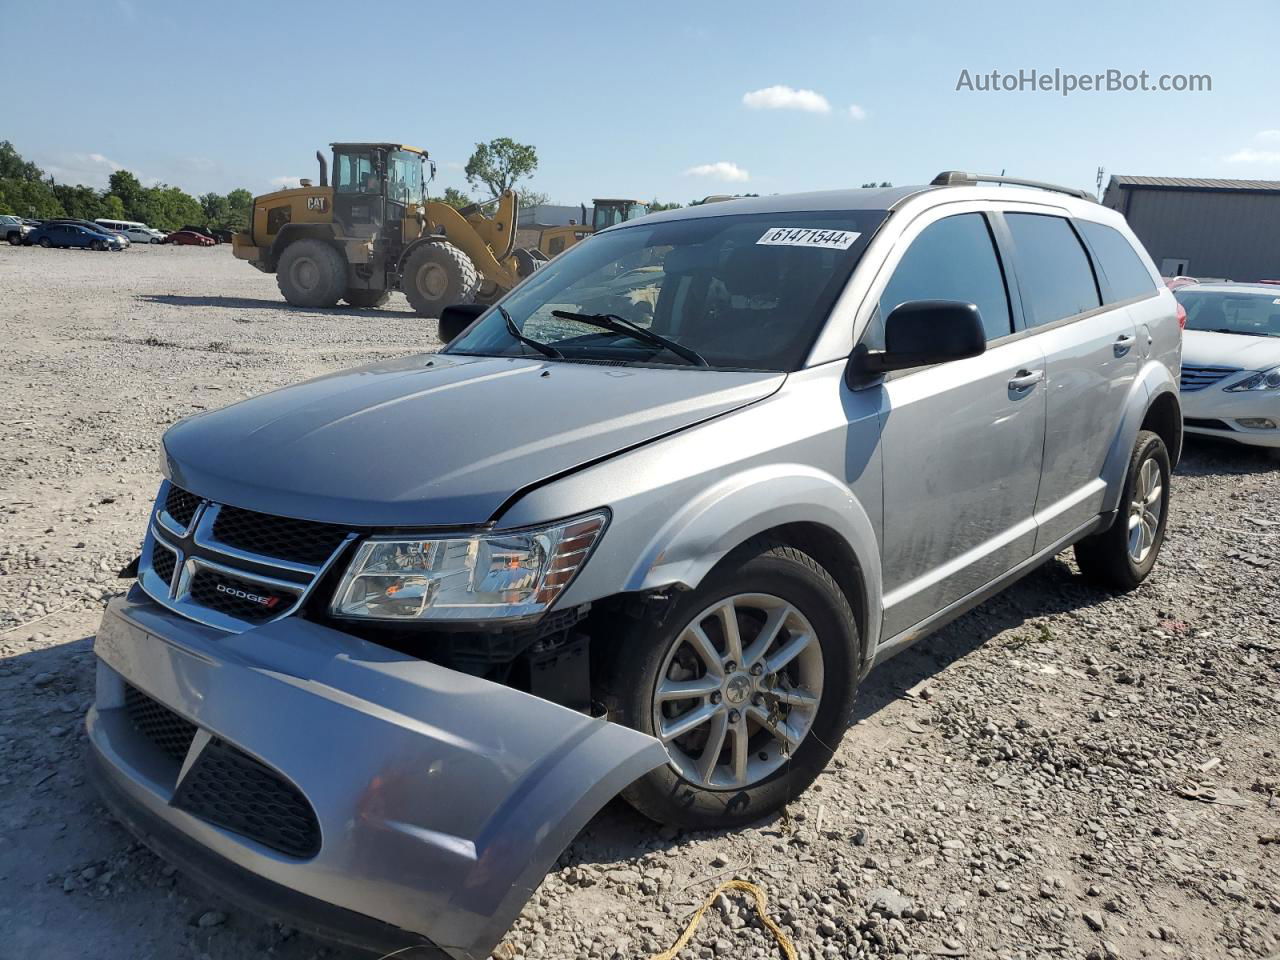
1122 344
1026 379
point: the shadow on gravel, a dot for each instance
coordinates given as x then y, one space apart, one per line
249 303
1205 457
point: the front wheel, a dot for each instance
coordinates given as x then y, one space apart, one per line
14 239
438 275
311 273
1122 556
46 242
748 684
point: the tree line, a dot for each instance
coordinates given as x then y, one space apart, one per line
26 191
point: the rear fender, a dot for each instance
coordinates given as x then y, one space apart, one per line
1153 380
706 530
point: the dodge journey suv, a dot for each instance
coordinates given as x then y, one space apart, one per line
641 527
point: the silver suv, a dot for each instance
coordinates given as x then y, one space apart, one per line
642 527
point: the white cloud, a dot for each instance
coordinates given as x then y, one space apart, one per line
1268 136
90 169
724 170
1267 158
786 98
286 183
857 112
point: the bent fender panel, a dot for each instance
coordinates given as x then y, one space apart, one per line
747 504
1152 380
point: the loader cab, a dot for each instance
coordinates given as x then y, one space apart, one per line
377 185
607 213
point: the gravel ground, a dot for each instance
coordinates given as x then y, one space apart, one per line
1060 773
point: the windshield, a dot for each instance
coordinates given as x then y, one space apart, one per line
1253 314
354 173
405 182
744 292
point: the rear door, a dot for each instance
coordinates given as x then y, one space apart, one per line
1090 351
961 442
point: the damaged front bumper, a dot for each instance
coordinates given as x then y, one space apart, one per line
354 792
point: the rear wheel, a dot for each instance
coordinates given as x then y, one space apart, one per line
748 684
366 299
14 238
437 275
1122 556
311 274
46 242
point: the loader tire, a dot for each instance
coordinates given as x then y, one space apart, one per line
366 299
526 262
438 275
311 274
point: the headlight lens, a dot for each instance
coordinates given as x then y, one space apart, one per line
491 576
1266 380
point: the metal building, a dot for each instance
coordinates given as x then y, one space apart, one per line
1203 228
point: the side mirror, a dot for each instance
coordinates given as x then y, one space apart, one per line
456 318
923 332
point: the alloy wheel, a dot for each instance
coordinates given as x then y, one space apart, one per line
738 691
1144 510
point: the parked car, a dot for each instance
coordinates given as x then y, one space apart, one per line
188 238
135 231
13 228
68 235
222 236
575 554
1231 362
92 226
203 231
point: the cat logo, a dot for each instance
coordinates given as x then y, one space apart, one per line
316 203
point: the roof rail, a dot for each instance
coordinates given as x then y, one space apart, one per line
958 178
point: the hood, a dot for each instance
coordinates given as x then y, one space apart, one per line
1205 348
436 440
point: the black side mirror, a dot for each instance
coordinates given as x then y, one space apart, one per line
456 318
922 332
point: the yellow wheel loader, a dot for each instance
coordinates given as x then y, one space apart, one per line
605 213
374 230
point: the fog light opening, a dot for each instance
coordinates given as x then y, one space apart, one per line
1256 423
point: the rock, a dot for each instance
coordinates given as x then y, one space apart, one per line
211 918
1094 919
889 901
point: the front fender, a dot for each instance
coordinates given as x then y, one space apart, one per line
705 530
1153 380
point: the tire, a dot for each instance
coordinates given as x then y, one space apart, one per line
98 245
156 240
366 299
311 274
14 239
1122 556
526 262
46 242
762 580
438 275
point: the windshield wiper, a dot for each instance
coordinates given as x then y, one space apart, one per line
617 324
546 349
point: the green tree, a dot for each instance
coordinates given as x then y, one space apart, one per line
131 193
113 207
216 210
13 167
239 206
500 164
656 207
456 198
532 198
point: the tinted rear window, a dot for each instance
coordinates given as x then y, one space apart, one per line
1125 273
1054 273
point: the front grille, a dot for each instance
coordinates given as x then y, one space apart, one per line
214 590
181 505
163 561
1206 424
231 789
1197 378
164 728
301 541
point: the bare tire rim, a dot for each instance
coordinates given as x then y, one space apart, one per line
305 273
738 691
433 280
1144 511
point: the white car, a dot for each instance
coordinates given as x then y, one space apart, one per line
134 231
1231 362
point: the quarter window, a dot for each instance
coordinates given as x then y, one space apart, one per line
1126 274
1054 274
953 259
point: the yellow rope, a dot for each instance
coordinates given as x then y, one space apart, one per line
757 894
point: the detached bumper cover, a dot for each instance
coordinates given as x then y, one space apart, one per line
441 799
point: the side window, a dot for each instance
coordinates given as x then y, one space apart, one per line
953 259
1127 276
1054 274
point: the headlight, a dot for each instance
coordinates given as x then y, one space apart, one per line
489 576
1266 380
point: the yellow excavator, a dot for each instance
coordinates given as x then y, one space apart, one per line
605 213
374 230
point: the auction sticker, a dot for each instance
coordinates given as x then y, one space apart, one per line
808 237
